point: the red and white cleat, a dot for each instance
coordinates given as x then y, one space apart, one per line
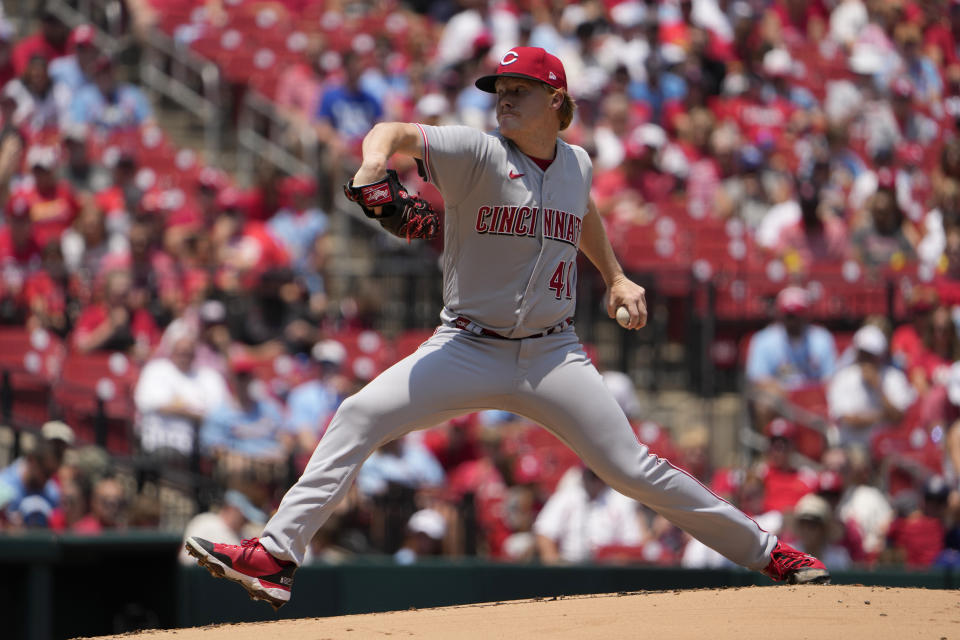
248 564
795 567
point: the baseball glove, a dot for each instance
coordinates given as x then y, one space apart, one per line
403 215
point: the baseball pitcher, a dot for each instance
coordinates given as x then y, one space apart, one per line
518 210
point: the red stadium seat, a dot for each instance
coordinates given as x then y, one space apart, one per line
89 380
31 361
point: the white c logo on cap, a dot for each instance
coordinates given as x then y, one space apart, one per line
509 57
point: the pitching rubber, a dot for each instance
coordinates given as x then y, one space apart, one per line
275 597
809 576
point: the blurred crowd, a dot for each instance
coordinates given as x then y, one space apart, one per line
825 129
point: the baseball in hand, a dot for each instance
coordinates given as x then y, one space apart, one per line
623 317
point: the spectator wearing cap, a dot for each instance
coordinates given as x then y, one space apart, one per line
267 196
788 354
75 70
117 321
583 516
208 321
49 42
426 531
60 436
870 392
107 105
784 483
623 192
108 505
228 522
817 531
242 246
311 403
916 537
886 238
53 205
855 101
250 426
404 462
27 486
847 20
32 90
299 221
18 247
173 396
863 506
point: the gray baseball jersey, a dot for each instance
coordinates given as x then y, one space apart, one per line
512 232
511 229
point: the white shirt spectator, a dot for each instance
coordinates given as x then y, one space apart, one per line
848 395
779 217
869 509
209 526
580 526
161 385
847 21
697 555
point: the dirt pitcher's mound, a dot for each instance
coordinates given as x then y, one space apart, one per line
845 612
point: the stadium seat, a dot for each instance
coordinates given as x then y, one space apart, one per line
30 361
89 381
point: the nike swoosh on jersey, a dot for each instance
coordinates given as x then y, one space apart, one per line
513 175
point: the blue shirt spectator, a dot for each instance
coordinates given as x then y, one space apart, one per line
309 405
352 112
28 493
109 106
253 426
406 462
297 231
791 352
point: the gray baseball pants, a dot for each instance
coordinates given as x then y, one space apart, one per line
549 380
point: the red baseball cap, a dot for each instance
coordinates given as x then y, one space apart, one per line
532 63
83 35
793 299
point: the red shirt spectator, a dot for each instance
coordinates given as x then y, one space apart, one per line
52 203
115 323
919 536
17 244
785 487
796 18
50 42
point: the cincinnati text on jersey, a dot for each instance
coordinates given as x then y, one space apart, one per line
522 221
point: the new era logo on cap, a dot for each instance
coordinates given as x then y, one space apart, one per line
527 62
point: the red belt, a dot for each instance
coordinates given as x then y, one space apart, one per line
466 324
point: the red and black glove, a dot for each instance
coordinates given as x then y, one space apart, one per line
403 215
